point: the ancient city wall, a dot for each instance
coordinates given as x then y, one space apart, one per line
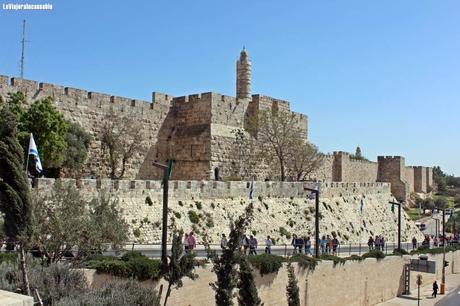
279 208
370 282
348 169
409 177
420 181
91 109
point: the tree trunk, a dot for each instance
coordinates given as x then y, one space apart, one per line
168 293
283 174
25 277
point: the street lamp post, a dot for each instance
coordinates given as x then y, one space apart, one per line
399 222
443 277
164 231
316 192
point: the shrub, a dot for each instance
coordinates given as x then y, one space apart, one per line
143 268
114 267
177 215
181 203
400 252
137 232
292 289
8 257
148 201
284 232
374 254
337 260
354 258
266 263
115 294
198 205
130 255
213 205
193 216
304 261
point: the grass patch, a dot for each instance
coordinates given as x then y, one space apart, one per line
336 260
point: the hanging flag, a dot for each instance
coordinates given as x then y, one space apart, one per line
312 194
34 152
362 204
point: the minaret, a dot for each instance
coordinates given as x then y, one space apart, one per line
243 76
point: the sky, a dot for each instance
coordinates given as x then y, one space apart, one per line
383 75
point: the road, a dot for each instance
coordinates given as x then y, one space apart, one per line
431 224
154 250
452 299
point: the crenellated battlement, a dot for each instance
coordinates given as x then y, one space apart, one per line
35 89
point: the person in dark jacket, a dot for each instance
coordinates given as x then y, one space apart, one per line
435 289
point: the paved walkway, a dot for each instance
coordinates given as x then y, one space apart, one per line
452 281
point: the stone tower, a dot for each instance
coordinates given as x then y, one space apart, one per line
243 76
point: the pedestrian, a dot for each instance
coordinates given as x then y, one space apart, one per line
268 245
294 243
377 243
382 242
299 243
223 242
328 244
245 243
307 244
335 245
186 249
191 242
435 289
414 243
323 244
370 243
252 245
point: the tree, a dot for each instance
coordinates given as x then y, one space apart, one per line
121 139
64 221
49 128
358 154
224 266
14 187
305 159
179 265
247 294
277 134
292 289
77 147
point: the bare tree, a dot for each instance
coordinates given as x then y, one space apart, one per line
121 140
305 159
277 134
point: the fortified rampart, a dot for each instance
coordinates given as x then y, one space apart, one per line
280 208
197 131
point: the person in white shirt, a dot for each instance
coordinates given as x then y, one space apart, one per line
268 245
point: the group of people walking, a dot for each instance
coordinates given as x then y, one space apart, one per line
301 244
376 244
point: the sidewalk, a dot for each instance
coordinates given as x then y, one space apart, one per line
452 281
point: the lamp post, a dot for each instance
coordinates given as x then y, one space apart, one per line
399 222
443 277
316 193
436 230
167 169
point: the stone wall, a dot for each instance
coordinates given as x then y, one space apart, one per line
348 169
91 109
420 181
369 282
409 177
277 205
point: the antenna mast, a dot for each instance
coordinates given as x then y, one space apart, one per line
23 42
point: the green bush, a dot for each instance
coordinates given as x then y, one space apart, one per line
8 257
337 260
304 261
148 201
115 294
354 258
131 264
198 205
284 232
374 254
143 268
400 252
266 263
193 216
